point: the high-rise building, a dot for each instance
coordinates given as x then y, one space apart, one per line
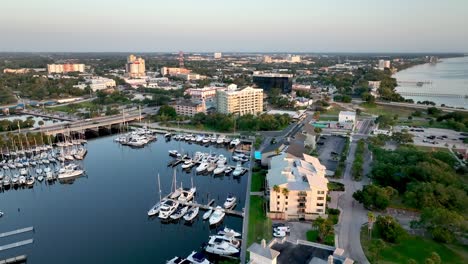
64 68
174 71
294 59
246 101
217 55
268 81
384 64
305 180
267 59
135 67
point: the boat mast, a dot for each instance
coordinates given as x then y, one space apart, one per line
159 186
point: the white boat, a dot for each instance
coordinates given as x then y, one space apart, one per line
191 213
217 216
211 167
220 169
40 178
229 232
1 213
202 167
229 238
198 258
167 208
206 140
30 181
181 211
155 209
6 181
234 142
23 171
221 139
221 160
228 170
230 201
188 164
49 176
69 171
22 180
220 247
238 170
207 214
174 153
213 139
168 135
38 171
177 260
187 195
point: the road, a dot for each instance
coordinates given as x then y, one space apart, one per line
353 215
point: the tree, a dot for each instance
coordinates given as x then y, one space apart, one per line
166 110
375 248
373 196
402 137
442 223
389 229
370 220
323 226
435 258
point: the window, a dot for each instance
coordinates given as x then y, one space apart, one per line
319 210
285 209
320 192
277 202
320 204
286 203
286 197
278 196
320 198
277 208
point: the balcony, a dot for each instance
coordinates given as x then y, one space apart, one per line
302 194
302 200
301 205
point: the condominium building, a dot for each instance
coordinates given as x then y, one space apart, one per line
203 93
135 67
64 68
217 55
100 83
384 64
298 187
189 107
246 101
174 71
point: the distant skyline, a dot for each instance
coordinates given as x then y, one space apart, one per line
234 26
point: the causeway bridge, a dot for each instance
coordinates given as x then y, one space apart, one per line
433 94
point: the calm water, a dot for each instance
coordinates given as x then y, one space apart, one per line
450 76
35 118
102 218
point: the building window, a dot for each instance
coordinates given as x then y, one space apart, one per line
285 209
278 196
277 202
277 208
319 210
286 197
286 203
320 192
320 204
320 198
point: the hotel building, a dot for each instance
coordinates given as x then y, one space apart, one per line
135 67
64 68
246 101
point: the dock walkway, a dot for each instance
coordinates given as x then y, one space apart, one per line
16 244
18 231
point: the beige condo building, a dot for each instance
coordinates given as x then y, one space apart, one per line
135 67
246 101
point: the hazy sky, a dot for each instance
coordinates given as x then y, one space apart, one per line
234 25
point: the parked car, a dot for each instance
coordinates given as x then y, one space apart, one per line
286 229
279 234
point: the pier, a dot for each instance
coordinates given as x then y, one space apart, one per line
18 259
433 94
209 207
16 232
17 244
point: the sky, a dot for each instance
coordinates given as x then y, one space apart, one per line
234 25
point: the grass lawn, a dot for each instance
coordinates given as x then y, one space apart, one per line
386 110
413 247
312 235
334 110
431 149
259 223
335 186
258 178
72 108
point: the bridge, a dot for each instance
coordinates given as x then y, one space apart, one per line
80 126
47 115
415 82
433 94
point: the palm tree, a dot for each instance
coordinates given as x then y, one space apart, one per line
370 220
277 190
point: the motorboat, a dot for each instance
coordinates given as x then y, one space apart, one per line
176 193
207 214
167 208
181 211
155 209
174 153
6 181
178 260
167 135
230 201
40 178
238 170
221 160
211 167
23 171
228 170
1 213
198 258
227 140
220 139
38 171
191 213
187 194
229 238
30 181
213 139
229 232
199 139
22 180
206 140
220 169
49 177
69 171
234 142
188 164
220 247
217 216
202 167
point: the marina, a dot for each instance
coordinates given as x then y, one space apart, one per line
121 185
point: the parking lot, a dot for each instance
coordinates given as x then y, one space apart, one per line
329 149
298 229
436 137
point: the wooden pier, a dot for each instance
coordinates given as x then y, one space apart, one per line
18 231
17 244
209 207
18 259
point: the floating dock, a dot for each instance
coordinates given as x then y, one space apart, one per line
18 259
16 232
209 207
17 244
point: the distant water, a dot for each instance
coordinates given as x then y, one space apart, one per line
101 218
35 118
449 76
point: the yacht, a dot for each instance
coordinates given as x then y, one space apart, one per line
217 216
38 171
187 194
167 208
221 139
228 170
202 167
6 181
40 178
229 238
174 153
207 214
178 260
199 139
229 232
188 164
198 258
156 208
211 167
238 170
1 213
220 247
230 201
49 177
181 211
213 139
30 181
220 169
22 180
69 171
221 160
23 171
167 135
234 142
206 140
191 213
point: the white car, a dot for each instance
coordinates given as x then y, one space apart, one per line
285 229
278 233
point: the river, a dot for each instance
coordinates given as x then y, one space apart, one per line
449 76
101 218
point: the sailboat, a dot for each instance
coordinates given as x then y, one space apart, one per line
177 191
155 209
187 195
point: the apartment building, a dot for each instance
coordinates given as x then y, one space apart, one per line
189 108
298 187
64 68
246 101
203 93
174 71
135 67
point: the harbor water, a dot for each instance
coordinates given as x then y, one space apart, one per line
449 76
102 217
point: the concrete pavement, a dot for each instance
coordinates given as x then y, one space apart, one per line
353 215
